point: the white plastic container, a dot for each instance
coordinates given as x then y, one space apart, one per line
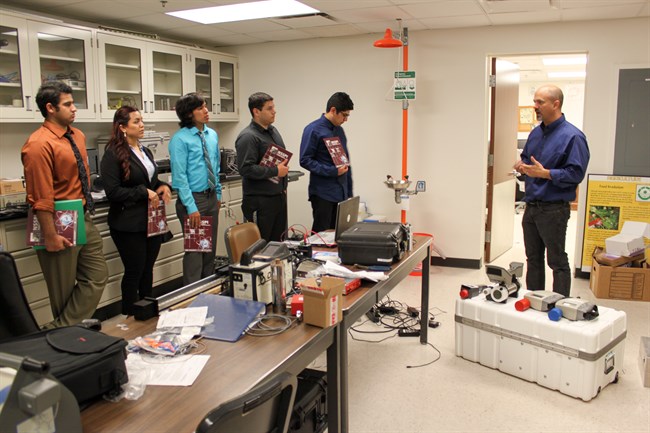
576 358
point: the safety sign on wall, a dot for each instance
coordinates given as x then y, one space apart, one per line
404 85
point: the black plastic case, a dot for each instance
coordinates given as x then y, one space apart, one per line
373 243
310 407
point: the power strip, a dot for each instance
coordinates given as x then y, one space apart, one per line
408 332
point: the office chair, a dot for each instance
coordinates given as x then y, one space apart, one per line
264 409
16 317
239 237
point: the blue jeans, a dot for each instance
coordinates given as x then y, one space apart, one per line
544 227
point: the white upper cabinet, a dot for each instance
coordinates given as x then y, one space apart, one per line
148 75
16 95
122 80
65 54
107 70
215 77
36 52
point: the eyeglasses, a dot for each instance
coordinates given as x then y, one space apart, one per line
345 115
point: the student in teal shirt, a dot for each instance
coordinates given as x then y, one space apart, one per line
196 178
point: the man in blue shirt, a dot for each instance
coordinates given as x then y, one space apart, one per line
554 161
329 183
194 156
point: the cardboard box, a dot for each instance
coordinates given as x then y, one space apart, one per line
611 260
11 186
629 241
644 361
632 284
322 302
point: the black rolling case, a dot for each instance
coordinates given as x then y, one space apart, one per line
372 243
310 407
89 363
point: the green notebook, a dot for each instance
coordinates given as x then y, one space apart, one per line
75 205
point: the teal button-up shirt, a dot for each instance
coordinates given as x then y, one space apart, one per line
189 170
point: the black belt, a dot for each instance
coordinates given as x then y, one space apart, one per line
206 192
544 203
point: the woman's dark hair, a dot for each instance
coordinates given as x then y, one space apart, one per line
118 143
184 107
50 92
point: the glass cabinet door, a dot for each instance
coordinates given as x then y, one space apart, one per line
215 77
16 98
227 106
65 54
121 81
166 78
204 80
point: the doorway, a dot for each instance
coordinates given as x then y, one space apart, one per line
567 71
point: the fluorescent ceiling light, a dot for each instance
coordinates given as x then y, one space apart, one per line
567 74
245 11
563 61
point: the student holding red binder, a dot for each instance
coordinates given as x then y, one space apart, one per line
56 168
131 183
324 152
263 160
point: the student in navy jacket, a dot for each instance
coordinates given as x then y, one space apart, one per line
130 178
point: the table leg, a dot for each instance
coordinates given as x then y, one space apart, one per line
424 303
334 382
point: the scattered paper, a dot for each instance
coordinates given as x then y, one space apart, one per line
341 271
179 370
194 316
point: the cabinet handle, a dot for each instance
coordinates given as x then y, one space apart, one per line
218 108
153 110
145 106
28 105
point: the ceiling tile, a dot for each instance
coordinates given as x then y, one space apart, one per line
282 35
600 13
456 22
252 26
506 6
381 26
525 17
305 21
332 31
442 9
371 14
338 5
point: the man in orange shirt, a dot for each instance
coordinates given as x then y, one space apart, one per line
56 168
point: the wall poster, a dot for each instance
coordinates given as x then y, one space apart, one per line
612 200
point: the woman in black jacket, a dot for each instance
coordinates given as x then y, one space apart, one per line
131 183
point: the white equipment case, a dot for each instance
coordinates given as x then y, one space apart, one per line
577 358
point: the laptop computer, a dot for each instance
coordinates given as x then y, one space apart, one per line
347 213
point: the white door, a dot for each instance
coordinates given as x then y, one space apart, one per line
500 212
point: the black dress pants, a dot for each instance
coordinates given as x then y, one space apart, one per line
138 253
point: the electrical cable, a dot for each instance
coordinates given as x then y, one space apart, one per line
264 326
430 362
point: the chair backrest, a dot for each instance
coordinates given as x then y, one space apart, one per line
264 409
239 237
16 317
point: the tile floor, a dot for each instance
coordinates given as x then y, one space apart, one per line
456 395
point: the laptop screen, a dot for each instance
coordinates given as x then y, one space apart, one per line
347 213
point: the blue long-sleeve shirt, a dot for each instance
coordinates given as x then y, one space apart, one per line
561 148
324 181
189 169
